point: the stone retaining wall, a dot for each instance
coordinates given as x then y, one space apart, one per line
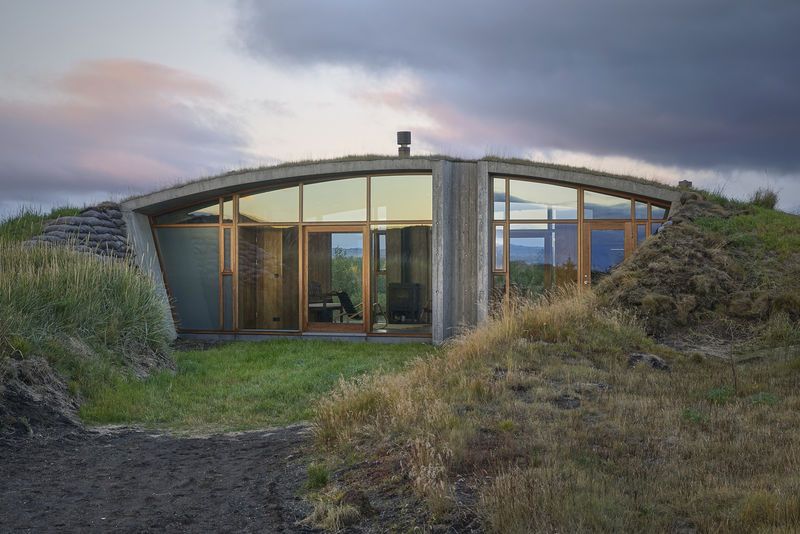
99 230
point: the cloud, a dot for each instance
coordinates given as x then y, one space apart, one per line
114 126
711 85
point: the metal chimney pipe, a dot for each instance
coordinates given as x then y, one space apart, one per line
404 140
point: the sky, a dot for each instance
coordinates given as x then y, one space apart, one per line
103 99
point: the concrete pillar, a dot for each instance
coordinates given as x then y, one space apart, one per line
484 235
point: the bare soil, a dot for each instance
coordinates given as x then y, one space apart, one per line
131 481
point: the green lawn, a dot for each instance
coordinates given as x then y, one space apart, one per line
242 385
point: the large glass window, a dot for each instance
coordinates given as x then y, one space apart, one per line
607 251
401 198
339 200
657 212
532 200
280 205
190 258
601 206
542 257
641 210
206 213
401 284
268 277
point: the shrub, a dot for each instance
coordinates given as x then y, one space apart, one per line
764 197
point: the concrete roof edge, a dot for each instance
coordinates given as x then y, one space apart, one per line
589 179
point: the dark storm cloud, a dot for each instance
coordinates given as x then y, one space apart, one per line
115 126
713 84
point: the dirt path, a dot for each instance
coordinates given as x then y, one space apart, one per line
127 481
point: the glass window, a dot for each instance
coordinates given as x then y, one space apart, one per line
600 206
641 210
206 213
190 258
499 196
607 250
227 302
498 289
658 212
226 250
499 256
338 200
401 198
280 205
532 200
542 256
641 233
268 278
227 210
654 228
401 293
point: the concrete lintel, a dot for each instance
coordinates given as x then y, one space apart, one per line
229 183
599 181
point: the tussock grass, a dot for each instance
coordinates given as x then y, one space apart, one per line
536 422
87 315
29 222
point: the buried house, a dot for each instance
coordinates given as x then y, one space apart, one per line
382 248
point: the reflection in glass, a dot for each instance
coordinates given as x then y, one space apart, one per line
190 258
499 198
600 206
532 200
226 250
641 233
499 255
542 257
268 284
280 205
607 251
658 212
339 200
227 210
335 263
401 198
641 210
206 213
498 290
401 291
227 302
654 228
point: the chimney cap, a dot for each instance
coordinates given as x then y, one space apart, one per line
404 138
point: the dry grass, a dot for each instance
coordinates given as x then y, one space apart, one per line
536 422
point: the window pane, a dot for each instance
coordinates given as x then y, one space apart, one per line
401 295
190 258
531 200
641 210
335 284
607 250
654 228
281 205
227 210
499 196
658 212
206 213
227 302
339 200
498 290
600 206
397 198
542 256
268 278
499 257
226 252
641 233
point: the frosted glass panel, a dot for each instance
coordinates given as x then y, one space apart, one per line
281 205
190 258
399 198
531 200
339 200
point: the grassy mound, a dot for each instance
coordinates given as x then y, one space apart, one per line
89 318
29 222
731 271
542 420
